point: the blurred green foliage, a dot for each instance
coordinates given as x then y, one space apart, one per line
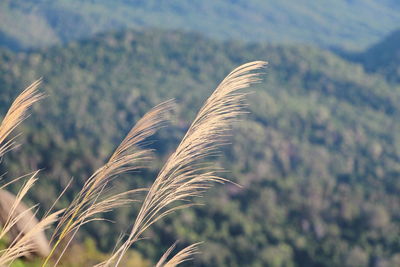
86 254
318 155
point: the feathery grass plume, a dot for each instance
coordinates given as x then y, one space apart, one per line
20 223
17 113
128 156
23 244
185 254
12 218
182 176
17 220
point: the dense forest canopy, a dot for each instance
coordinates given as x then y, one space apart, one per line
318 155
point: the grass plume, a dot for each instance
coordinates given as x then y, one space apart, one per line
128 156
17 113
183 255
24 245
22 225
13 217
19 217
182 176
185 174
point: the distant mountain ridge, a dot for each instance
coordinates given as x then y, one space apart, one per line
345 23
382 57
318 155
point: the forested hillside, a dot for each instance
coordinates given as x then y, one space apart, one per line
382 57
345 23
317 156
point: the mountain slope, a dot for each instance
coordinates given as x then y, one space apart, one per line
382 58
353 24
318 156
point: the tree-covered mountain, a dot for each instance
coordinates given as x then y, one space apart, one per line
382 57
345 23
318 156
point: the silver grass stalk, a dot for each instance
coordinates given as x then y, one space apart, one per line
12 217
183 255
128 156
16 114
24 245
182 177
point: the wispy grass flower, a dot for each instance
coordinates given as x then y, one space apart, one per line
17 113
184 176
128 156
183 255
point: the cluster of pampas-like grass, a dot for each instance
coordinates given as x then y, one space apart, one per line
184 176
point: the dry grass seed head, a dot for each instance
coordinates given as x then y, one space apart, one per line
128 156
183 255
17 113
180 179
